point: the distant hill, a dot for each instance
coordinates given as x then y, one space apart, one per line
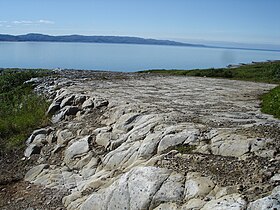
91 39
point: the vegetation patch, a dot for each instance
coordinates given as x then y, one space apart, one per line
21 110
271 102
185 148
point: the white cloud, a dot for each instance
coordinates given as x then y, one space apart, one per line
3 21
22 22
29 22
46 21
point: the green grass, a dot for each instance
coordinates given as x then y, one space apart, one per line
21 110
262 72
185 148
271 102
268 72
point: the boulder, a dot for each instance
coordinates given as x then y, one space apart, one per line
32 149
172 190
197 186
169 206
228 202
67 101
65 111
40 139
230 145
79 99
34 172
99 102
187 136
42 131
63 136
53 108
103 139
193 204
134 190
269 202
78 148
121 157
149 145
89 103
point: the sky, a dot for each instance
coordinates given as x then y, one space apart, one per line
200 21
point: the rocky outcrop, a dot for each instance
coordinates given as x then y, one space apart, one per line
156 143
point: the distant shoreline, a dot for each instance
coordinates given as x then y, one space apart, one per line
113 40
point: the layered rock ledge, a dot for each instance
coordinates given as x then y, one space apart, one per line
130 141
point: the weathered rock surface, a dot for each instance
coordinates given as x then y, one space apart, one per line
270 202
152 142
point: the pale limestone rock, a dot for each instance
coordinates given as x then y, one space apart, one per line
143 126
187 136
167 206
101 179
65 111
276 190
193 204
170 141
32 149
126 122
100 102
89 169
78 148
230 145
172 190
120 157
67 101
226 191
63 136
258 146
149 145
228 202
34 172
79 99
89 103
102 130
41 131
83 161
197 186
96 201
53 108
67 200
51 138
275 178
269 202
40 139
103 139
134 189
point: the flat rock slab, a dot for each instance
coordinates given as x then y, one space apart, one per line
219 102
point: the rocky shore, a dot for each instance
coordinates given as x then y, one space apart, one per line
143 141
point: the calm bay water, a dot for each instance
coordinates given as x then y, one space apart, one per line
122 57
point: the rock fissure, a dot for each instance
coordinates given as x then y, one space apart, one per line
150 205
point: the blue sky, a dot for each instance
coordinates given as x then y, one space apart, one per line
243 21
